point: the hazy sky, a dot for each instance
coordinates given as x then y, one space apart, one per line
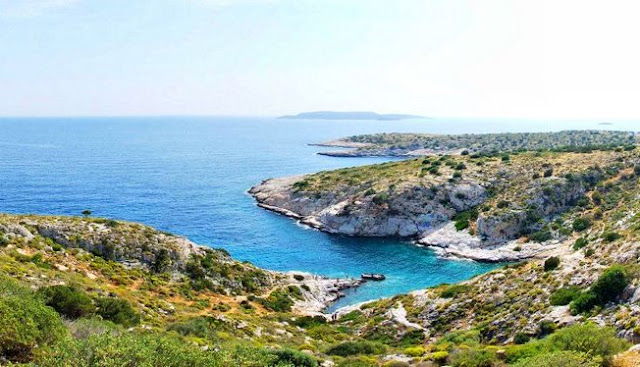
489 58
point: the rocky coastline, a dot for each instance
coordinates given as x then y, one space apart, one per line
124 243
444 239
441 237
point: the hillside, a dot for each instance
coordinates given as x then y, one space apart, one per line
407 144
482 207
97 292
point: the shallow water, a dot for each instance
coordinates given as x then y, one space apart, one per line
189 176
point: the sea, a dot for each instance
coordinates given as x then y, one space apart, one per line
190 175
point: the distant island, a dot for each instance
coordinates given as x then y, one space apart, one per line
349 115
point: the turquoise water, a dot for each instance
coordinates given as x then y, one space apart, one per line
189 176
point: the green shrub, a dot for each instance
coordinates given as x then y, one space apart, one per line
559 359
278 300
439 357
298 277
309 321
462 219
68 301
521 338
453 290
583 303
162 261
610 284
358 362
611 236
546 327
564 296
473 358
588 338
581 224
580 243
351 348
551 263
290 357
25 322
118 311
4 241
133 349
541 236
502 204
415 351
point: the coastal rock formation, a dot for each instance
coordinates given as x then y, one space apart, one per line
137 246
463 206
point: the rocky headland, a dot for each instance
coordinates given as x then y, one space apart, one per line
496 208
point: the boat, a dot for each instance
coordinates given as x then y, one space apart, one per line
371 276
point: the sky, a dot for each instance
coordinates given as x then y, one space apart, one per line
564 59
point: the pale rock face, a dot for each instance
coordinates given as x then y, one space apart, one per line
408 214
424 214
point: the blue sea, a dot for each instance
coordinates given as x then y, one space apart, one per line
189 176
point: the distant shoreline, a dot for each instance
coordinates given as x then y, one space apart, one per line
350 115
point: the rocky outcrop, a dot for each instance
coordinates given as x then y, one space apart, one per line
136 245
318 292
407 213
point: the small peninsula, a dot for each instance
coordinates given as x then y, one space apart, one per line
414 145
350 115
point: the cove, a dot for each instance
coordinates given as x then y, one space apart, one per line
189 176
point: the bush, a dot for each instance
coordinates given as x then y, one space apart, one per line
521 338
68 301
581 224
580 243
415 351
473 358
564 296
439 357
588 338
453 290
611 236
546 327
541 236
134 349
559 359
350 348
25 322
583 303
358 362
502 204
551 263
298 277
278 301
548 172
290 357
462 219
118 311
610 284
